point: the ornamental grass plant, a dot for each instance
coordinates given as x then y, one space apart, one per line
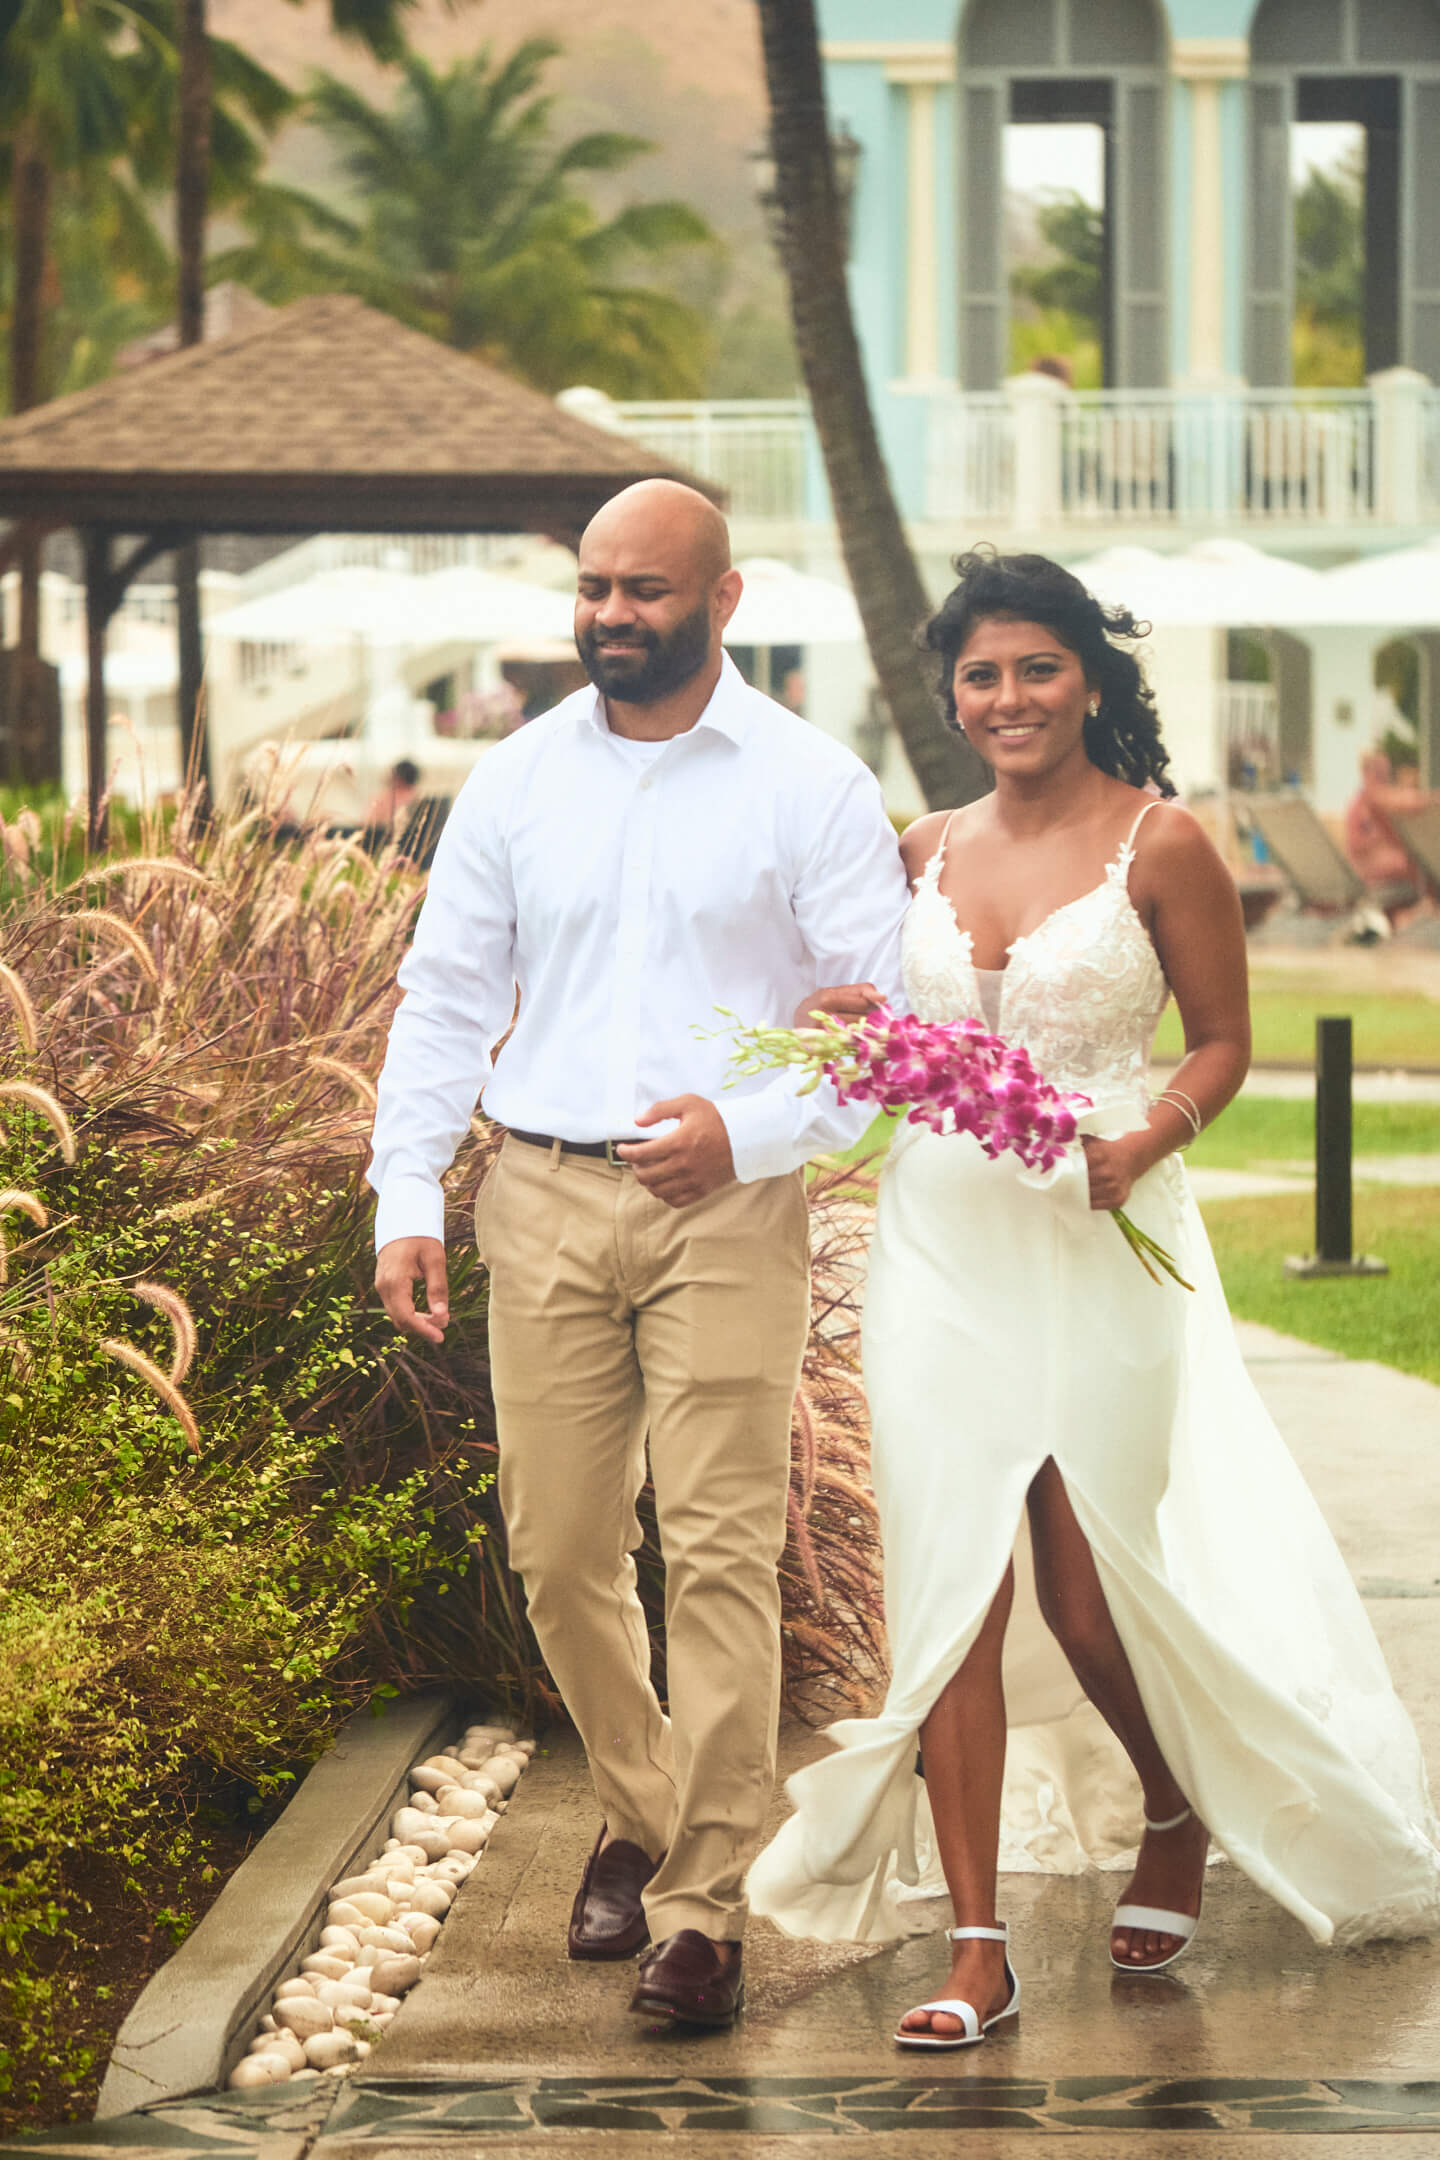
239 1506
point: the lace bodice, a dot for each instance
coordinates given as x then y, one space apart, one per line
1083 992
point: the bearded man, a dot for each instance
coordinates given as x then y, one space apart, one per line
658 848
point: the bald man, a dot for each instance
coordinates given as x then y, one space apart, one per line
662 846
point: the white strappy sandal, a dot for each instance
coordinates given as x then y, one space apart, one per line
975 2027
1154 1918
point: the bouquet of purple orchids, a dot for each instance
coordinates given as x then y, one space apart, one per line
952 1075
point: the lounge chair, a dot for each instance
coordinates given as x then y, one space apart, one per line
1420 832
1324 882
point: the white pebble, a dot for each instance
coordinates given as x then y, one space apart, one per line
431 1895
287 1988
343 1914
258 2070
322 1966
267 2023
386 1938
334 1993
468 1835
413 1823
373 1879
441 1762
383 2005
337 1939
455 1800
373 1905
504 1771
400 1889
328 2050
421 1928
306 2017
370 1956
395 1975
382 2019
417 1853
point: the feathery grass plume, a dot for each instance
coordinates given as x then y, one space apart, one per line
25 1091
151 866
362 1087
17 1350
21 1007
28 1204
130 1354
802 1449
182 1325
124 933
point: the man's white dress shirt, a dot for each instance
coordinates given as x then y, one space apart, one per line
629 895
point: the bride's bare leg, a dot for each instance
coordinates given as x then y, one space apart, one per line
962 1744
1170 1870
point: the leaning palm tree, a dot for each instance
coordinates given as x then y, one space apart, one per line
888 589
473 224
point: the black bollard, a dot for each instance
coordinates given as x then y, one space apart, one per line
1334 1252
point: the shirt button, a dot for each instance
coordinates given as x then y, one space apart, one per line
647 782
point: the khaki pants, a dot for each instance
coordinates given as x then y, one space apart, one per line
614 1317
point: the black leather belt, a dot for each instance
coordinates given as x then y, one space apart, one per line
604 1150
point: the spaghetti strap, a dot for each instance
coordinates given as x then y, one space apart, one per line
935 861
1145 810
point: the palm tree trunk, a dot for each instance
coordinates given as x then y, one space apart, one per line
888 589
192 192
27 755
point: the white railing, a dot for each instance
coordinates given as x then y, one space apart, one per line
1247 728
1430 454
970 458
757 449
371 551
1035 454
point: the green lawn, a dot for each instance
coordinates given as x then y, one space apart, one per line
1394 1318
1263 1130
1399 1029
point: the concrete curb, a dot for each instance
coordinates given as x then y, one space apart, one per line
187 2030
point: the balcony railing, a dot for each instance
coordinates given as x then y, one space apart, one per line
1035 454
755 448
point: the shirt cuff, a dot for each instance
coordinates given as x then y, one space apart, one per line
409 1206
762 1134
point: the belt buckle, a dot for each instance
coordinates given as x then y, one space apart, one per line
616 1162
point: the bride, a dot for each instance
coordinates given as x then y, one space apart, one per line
1020 1364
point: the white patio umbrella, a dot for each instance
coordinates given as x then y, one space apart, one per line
1217 583
784 606
483 607
1399 590
384 607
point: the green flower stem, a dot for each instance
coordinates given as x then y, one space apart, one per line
1146 1250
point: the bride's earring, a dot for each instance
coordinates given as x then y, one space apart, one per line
1093 708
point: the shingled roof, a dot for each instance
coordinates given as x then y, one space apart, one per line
322 416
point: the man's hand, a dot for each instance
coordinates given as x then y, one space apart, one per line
688 1164
400 1264
842 1001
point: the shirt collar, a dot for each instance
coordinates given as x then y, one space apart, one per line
727 714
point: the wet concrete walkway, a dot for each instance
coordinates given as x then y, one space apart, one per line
1258 2045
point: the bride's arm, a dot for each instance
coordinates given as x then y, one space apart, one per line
1188 901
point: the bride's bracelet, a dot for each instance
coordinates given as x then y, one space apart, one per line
1189 1110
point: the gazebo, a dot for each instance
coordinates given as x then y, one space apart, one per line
324 416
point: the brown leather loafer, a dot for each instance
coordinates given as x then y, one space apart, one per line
608 1920
685 1978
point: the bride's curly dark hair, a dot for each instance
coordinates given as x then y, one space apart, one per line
1123 738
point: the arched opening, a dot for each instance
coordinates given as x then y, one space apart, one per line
1092 68
1352 283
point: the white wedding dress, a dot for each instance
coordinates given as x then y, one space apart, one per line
1007 1322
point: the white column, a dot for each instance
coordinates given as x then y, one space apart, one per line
922 264
1204 64
1399 443
1036 403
